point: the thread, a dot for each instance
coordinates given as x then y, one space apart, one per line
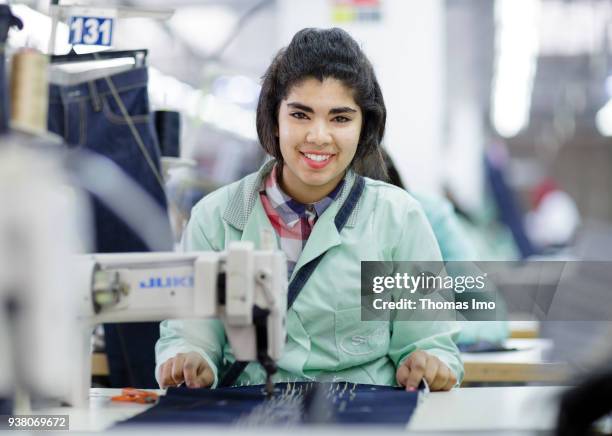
29 91
296 403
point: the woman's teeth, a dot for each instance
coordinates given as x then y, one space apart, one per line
317 157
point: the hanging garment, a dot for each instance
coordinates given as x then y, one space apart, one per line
509 209
168 129
292 404
88 115
91 114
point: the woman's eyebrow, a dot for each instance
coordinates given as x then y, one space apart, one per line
301 107
341 110
333 111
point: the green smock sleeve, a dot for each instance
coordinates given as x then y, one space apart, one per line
418 243
205 337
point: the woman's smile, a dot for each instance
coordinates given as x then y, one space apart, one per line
316 160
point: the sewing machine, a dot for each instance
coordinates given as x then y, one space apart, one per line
52 298
244 287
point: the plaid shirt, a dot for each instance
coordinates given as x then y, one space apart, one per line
292 221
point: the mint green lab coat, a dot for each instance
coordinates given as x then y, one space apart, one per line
326 338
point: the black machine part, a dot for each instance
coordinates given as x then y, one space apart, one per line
585 404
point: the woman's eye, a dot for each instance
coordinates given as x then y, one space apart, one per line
341 119
299 115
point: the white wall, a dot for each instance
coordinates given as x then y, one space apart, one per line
407 50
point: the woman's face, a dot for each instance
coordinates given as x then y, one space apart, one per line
319 125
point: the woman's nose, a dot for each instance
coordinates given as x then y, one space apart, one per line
318 134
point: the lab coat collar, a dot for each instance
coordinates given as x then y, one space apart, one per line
246 198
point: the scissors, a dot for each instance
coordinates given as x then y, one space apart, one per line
133 395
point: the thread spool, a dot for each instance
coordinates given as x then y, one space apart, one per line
7 20
29 91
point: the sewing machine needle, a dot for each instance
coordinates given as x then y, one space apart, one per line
269 387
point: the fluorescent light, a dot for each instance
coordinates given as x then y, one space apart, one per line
603 119
238 89
204 28
609 86
515 64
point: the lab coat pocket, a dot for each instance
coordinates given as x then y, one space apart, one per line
359 341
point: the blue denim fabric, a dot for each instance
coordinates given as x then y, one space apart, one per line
6 406
168 128
86 115
321 403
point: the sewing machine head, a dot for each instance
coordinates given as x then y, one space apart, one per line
244 287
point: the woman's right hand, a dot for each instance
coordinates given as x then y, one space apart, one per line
189 368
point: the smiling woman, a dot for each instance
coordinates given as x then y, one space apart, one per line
320 115
323 88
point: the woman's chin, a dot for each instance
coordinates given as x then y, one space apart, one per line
316 181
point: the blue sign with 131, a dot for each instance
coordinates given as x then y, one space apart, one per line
91 30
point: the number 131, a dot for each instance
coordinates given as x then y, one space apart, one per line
91 31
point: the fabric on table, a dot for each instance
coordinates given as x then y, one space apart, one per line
87 115
292 404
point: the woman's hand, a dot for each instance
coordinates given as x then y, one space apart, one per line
189 368
421 364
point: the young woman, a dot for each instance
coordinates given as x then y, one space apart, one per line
320 113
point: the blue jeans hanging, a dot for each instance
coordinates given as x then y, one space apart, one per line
87 115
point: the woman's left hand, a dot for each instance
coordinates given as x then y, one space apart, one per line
421 364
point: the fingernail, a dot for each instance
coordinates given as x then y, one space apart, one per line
410 389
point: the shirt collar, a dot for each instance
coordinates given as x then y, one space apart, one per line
244 193
291 210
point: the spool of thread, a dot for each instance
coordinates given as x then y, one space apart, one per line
7 20
29 91
168 128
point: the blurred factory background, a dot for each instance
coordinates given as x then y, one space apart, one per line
502 106
524 85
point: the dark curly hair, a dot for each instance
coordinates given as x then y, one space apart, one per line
320 54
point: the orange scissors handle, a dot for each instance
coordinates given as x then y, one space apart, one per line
133 395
